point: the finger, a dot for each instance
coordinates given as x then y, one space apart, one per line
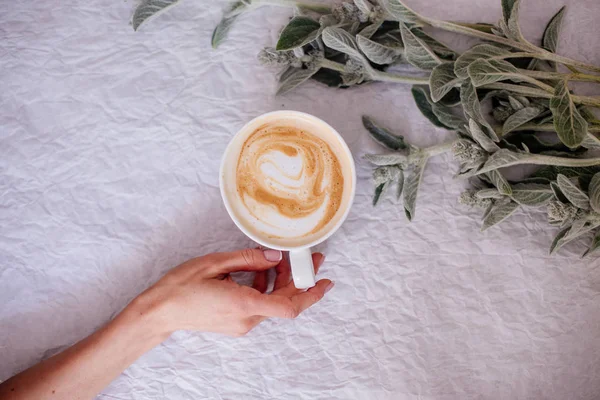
306 299
283 270
318 259
277 305
243 260
283 273
260 281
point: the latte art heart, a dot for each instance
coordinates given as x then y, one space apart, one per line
289 180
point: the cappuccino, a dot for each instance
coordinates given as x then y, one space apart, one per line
288 178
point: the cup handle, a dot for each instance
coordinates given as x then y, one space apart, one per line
303 270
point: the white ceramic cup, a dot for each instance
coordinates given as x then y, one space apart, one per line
300 255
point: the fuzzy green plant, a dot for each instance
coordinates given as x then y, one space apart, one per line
535 118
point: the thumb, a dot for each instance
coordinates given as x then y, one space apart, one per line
245 260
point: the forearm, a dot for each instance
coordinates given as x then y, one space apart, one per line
84 369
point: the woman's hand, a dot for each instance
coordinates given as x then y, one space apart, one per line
197 295
200 295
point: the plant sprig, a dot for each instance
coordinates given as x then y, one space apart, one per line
535 119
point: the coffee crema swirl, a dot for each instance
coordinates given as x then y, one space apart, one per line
292 171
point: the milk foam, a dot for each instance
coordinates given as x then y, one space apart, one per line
287 181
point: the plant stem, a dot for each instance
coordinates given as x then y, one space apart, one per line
336 66
587 100
480 27
540 159
526 47
537 83
525 90
376 75
438 149
576 76
548 93
550 128
388 77
319 7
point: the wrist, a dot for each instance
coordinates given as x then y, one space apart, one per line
145 312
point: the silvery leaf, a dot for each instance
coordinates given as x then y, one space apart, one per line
472 108
587 113
411 188
391 38
479 184
297 33
550 37
558 194
497 30
556 243
340 40
376 52
505 158
571 127
591 142
515 104
364 6
446 117
483 72
519 118
298 52
521 99
369 30
425 105
451 99
495 94
382 160
481 51
594 246
574 194
383 136
488 210
499 213
379 189
489 194
500 182
381 175
327 20
400 185
149 9
510 12
292 77
416 51
484 140
594 192
440 49
442 80
222 29
578 229
400 12
531 194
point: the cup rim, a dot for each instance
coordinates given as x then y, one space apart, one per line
249 234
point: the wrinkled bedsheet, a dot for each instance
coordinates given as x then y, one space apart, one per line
110 144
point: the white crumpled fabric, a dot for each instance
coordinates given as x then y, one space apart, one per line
110 144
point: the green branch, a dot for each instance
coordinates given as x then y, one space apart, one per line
318 7
533 51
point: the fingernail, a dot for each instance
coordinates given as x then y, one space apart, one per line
329 287
272 255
